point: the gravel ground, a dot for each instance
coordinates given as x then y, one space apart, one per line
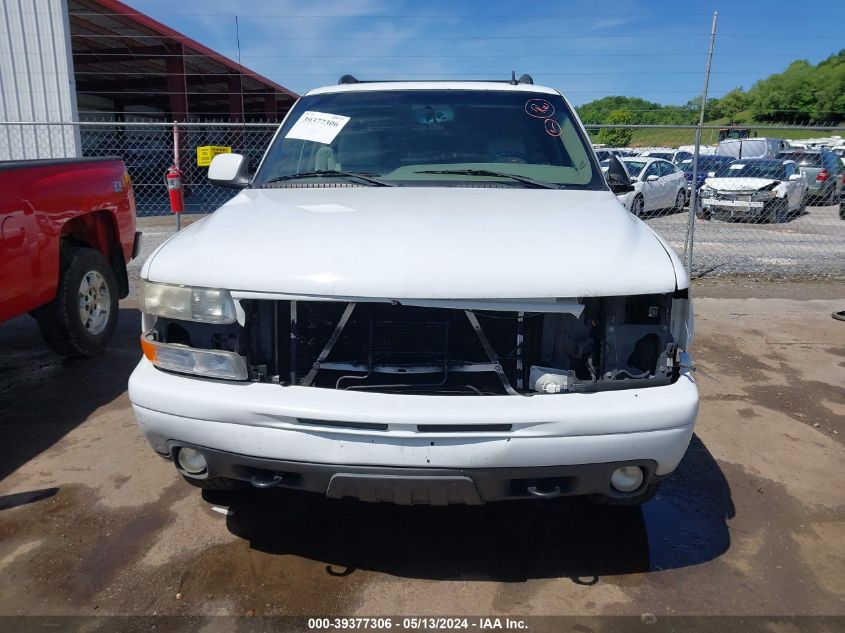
812 244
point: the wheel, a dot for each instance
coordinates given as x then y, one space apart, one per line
637 205
776 211
702 212
215 483
822 199
81 319
646 495
842 210
829 197
680 201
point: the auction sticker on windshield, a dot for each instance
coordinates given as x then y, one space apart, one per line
319 127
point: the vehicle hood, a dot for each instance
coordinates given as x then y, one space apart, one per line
741 184
420 242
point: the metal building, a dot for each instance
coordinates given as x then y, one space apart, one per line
36 80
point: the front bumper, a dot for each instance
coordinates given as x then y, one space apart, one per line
735 209
269 427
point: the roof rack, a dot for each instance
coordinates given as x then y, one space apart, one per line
523 79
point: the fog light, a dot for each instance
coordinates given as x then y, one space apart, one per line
191 461
627 478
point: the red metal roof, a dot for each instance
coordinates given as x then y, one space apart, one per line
126 13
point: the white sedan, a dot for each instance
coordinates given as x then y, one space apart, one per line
757 189
658 184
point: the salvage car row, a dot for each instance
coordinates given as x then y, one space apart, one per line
757 179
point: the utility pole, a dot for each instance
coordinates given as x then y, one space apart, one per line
693 202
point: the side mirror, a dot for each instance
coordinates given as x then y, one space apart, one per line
229 170
617 178
796 177
652 178
711 174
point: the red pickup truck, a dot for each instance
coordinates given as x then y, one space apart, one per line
67 230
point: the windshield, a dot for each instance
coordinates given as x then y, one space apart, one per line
770 169
634 167
401 136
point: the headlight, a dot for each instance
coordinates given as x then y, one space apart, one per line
204 305
682 322
211 363
706 191
763 195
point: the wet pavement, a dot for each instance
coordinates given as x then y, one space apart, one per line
752 523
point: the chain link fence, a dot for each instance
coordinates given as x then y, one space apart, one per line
148 151
769 199
770 204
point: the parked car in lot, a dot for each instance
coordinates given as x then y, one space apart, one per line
658 185
708 167
67 230
766 190
823 172
674 156
427 293
604 153
703 150
757 147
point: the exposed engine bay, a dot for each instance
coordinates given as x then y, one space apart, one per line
596 344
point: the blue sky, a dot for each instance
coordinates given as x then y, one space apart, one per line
655 50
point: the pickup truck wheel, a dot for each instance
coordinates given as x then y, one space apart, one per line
646 495
81 319
215 483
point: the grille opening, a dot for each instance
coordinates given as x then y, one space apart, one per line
464 428
342 424
615 343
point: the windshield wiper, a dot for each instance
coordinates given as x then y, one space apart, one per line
492 174
360 176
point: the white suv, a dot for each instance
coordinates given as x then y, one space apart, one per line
426 293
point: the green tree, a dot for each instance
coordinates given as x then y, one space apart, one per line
803 93
614 136
734 102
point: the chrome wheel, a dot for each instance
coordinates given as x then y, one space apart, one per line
94 302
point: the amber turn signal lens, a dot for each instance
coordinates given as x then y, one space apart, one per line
148 348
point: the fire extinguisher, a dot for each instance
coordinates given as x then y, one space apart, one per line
173 178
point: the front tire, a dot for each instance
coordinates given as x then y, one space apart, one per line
81 319
637 205
680 201
777 211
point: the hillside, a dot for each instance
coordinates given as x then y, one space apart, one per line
803 94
